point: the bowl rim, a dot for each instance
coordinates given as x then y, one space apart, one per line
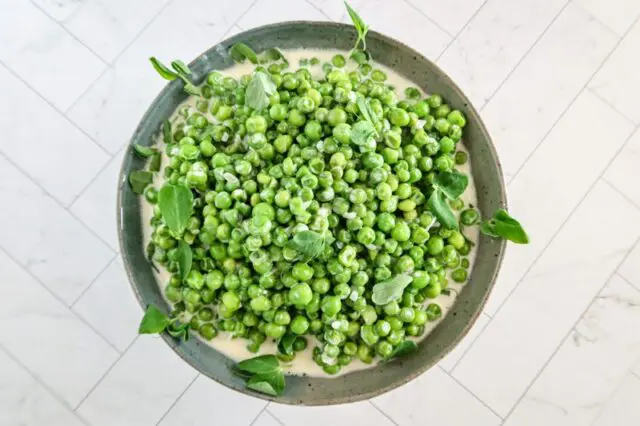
362 396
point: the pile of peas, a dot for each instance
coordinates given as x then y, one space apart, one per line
259 177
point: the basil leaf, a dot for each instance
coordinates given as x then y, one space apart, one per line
153 321
452 184
166 132
240 51
263 364
258 91
360 26
362 132
390 290
184 257
285 345
308 243
504 226
176 204
180 67
143 151
156 162
438 205
139 180
179 330
404 348
271 55
162 69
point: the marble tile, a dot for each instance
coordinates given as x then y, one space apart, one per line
96 206
617 81
493 42
618 15
108 26
441 396
623 173
110 306
451 15
150 374
266 12
630 268
576 44
582 129
334 9
43 143
266 419
46 239
47 337
587 368
30 39
112 108
450 361
635 369
25 402
623 408
194 406
59 9
536 318
356 414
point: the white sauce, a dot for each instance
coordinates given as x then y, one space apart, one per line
303 364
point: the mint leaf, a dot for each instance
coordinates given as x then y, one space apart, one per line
360 26
180 67
504 226
452 184
162 69
155 163
404 348
285 344
184 257
240 51
309 243
166 132
390 290
139 180
438 205
362 133
260 88
143 151
263 364
176 204
153 321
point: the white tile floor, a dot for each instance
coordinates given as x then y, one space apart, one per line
558 84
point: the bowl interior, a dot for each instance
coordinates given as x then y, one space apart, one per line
486 174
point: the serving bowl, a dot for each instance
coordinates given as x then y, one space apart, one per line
487 175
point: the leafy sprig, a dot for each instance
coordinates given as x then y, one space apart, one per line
180 70
263 374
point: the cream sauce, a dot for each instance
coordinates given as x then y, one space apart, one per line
303 364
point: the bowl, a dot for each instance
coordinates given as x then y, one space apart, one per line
487 174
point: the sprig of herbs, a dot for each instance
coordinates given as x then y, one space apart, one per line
360 26
501 225
264 374
180 70
155 321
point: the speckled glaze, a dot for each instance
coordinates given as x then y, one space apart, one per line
488 178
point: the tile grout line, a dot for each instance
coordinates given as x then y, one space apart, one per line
471 344
274 416
566 336
69 33
382 412
73 304
323 13
173 404
47 389
583 89
55 296
611 395
56 201
55 108
464 27
623 278
255 419
595 93
420 12
625 196
487 406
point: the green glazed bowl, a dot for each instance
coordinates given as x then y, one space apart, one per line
487 174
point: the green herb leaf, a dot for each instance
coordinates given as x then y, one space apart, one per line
258 91
438 205
176 204
179 330
191 89
180 67
452 184
271 55
308 243
240 51
360 26
362 132
153 321
404 348
184 257
285 345
269 384
156 162
143 151
166 132
504 226
366 111
139 180
263 364
162 69
390 290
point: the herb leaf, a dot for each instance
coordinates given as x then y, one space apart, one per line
179 330
366 111
153 321
162 69
404 348
504 226
452 184
438 205
240 51
139 180
176 204
308 243
184 257
362 132
269 384
285 345
143 151
271 55
155 163
190 88
180 67
360 26
263 364
390 290
259 89
166 132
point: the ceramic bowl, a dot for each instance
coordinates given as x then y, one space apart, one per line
487 175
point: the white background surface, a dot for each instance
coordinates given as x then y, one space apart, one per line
558 85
